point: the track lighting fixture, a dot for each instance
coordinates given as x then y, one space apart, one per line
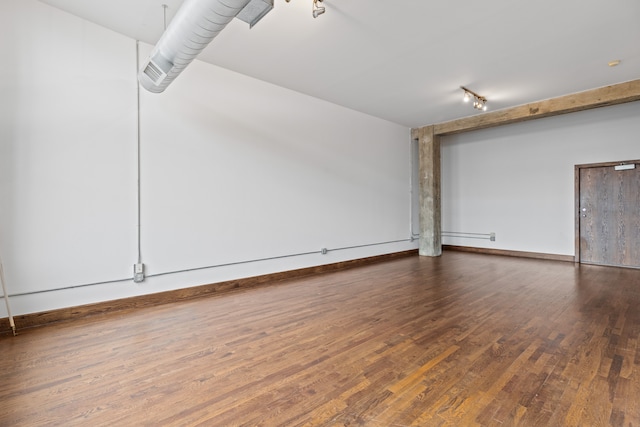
479 102
315 9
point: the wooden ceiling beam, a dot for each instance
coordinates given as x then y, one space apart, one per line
602 97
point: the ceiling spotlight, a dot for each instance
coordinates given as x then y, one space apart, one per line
317 10
479 102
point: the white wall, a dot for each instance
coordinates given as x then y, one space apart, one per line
232 170
518 180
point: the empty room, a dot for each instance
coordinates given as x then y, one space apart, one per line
319 213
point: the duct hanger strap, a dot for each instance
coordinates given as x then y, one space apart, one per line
194 26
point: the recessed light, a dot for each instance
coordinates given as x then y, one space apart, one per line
614 63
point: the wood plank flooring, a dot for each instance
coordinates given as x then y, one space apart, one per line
460 340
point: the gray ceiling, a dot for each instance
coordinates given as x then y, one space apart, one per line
405 60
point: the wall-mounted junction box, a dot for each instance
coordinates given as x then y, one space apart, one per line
138 272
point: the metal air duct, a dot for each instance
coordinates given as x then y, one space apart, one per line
196 23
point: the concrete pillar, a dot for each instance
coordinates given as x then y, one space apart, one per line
430 219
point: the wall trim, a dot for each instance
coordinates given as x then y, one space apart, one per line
504 252
44 318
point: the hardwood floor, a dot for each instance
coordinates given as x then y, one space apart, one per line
461 340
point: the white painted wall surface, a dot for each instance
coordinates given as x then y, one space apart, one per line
232 170
67 135
518 180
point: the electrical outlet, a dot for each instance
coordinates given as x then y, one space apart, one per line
138 272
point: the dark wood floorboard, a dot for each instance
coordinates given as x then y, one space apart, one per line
460 340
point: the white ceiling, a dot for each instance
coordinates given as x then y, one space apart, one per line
405 60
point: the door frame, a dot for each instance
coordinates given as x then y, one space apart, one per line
577 196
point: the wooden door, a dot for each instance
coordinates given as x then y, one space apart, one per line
608 214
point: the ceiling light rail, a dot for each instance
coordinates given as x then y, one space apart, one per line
479 101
